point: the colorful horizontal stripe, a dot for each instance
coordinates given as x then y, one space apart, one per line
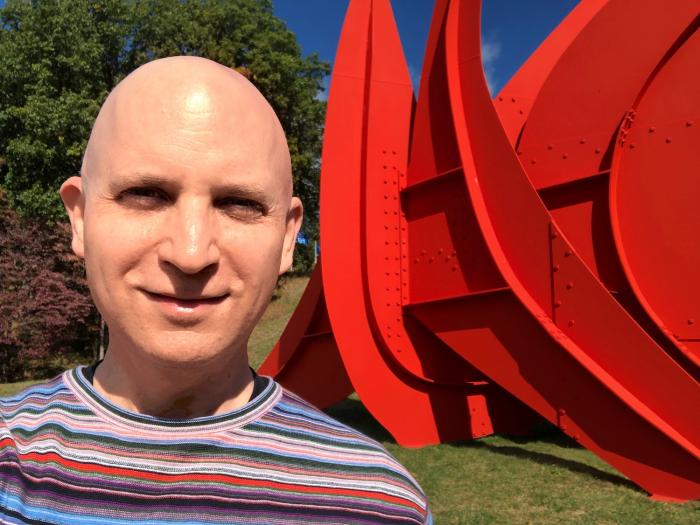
69 456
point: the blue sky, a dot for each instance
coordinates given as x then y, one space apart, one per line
512 29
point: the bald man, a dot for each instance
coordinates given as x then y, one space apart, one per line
185 218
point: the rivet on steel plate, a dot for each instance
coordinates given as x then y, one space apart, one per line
668 139
549 146
568 253
691 321
582 141
688 123
571 322
597 150
557 304
555 268
565 156
652 129
569 285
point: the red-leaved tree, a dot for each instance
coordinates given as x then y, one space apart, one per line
45 307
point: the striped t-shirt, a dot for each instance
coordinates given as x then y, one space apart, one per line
69 456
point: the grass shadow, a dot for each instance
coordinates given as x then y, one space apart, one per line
352 412
551 460
545 432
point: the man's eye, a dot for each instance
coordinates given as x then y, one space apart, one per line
242 208
142 197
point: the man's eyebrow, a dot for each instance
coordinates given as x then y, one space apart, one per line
139 179
244 191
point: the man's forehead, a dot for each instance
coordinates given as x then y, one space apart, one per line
216 120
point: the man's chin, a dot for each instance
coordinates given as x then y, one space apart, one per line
187 351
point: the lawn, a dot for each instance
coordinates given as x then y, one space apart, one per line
545 479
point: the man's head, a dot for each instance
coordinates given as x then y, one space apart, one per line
184 211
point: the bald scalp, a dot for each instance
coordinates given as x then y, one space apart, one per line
215 101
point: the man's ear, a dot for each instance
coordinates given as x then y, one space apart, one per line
73 198
294 218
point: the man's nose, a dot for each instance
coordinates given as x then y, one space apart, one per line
190 241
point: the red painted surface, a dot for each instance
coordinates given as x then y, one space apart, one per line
486 259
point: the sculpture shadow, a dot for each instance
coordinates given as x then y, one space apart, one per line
353 413
544 458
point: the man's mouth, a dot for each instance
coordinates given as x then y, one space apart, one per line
185 302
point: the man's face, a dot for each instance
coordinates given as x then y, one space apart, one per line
186 227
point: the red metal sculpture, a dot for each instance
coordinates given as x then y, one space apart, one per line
486 259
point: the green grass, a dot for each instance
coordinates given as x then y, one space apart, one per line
275 319
546 479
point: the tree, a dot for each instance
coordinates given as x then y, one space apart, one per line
45 310
60 58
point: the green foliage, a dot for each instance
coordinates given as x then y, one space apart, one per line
60 58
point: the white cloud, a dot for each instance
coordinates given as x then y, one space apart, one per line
490 53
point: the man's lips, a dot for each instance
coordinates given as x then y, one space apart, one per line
185 302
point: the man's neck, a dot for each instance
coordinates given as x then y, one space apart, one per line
174 392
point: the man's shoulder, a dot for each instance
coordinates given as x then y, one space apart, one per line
37 397
320 437
307 419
